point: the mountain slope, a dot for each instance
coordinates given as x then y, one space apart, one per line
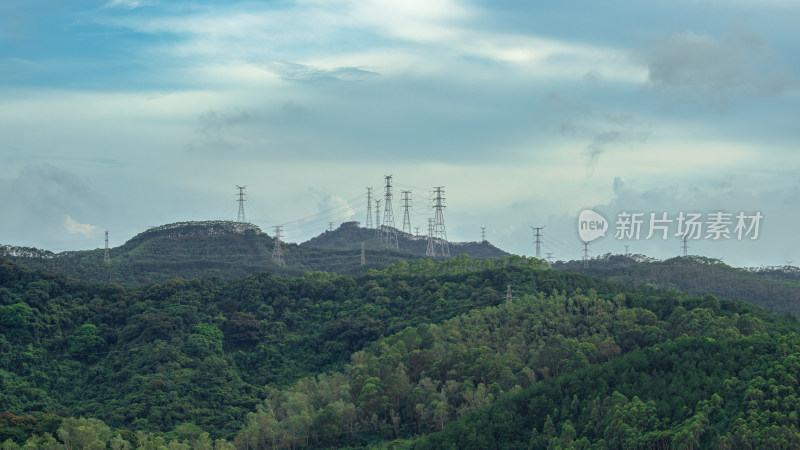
692 392
153 357
228 249
197 250
270 359
697 275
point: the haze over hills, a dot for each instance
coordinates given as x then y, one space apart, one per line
775 288
232 249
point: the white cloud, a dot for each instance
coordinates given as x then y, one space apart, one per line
126 4
442 31
336 207
75 227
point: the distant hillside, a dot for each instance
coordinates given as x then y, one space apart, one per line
227 249
350 235
698 275
786 272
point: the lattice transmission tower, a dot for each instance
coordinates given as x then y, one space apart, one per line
431 250
406 216
585 255
684 244
240 216
439 230
107 260
538 240
368 223
389 230
277 252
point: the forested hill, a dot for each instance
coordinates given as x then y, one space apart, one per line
200 250
772 288
350 235
228 249
422 354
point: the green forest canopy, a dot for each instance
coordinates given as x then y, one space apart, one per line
423 354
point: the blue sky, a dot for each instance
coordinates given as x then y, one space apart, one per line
123 114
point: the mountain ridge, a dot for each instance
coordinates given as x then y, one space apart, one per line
198 249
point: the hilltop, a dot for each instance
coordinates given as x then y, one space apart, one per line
229 249
350 235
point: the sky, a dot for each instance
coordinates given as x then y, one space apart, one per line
121 115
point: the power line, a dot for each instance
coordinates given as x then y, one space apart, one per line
324 212
431 250
377 218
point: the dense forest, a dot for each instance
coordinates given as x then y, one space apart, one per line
777 288
459 353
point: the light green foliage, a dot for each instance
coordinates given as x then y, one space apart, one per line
86 341
17 315
205 341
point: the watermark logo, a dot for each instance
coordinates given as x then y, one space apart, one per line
591 225
688 225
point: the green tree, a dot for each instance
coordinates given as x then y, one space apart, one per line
85 342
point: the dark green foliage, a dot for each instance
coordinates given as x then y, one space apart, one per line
425 354
687 393
182 351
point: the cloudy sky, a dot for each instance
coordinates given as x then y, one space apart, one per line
123 114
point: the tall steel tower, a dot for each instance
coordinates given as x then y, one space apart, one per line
431 250
277 252
538 240
389 230
439 231
368 223
107 260
406 216
585 255
240 217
